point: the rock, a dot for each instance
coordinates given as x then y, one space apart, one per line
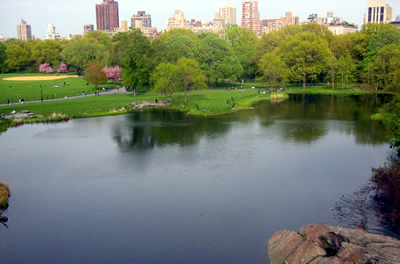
327 244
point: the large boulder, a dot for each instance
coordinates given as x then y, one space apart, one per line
327 244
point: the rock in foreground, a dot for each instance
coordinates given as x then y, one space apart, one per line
327 244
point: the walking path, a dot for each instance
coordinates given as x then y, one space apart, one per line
115 91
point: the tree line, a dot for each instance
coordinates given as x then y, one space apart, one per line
308 53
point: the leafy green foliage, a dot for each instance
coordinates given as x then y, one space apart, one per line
79 54
135 52
17 57
47 51
217 59
306 55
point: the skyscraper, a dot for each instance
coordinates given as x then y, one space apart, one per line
143 17
228 14
24 31
378 12
251 16
107 16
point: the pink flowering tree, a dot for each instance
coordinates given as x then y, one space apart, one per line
46 68
113 73
62 67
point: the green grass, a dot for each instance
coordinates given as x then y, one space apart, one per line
325 90
32 90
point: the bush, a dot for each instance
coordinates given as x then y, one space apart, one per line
387 184
4 194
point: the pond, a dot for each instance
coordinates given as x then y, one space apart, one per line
162 187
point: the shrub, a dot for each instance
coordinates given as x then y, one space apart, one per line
4 194
387 184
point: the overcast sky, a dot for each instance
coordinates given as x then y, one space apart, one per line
70 16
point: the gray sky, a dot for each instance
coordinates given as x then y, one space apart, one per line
70 16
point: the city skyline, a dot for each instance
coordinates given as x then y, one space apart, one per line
70 19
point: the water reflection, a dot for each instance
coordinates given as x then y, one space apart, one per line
316 110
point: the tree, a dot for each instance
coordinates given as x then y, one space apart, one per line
243 43
79 53
332 70
346 69
17 57
3 57
47 51
306 56
388 67
175 45
341 45
189 75
113 73
62 67
164 79
46 68
135 51
95 74
217 59
272 68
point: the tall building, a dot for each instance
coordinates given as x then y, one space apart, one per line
52 33
251 16
143 17
178 20
107 16
87 28
378 12
289 19
24 31
228 14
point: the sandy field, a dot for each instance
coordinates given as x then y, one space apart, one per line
39 78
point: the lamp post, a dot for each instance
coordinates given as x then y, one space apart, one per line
41 95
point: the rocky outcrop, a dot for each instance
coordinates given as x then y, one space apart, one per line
327 244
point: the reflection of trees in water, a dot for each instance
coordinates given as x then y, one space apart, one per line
146 129
357 110
360 209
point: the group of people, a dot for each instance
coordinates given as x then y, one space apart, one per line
20 100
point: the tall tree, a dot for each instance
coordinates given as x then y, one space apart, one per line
346 69
135 52
165 79
217 59
306 55
243 43
17 57
3 57
175 45
95 74
47 51
272 68
188 75
80 53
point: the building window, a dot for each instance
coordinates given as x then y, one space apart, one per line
382 13
370 15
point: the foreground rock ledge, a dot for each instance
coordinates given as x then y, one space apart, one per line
327 244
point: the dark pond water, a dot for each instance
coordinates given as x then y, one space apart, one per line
161 187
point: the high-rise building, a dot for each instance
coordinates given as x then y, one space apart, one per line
378 12
87 28
52 33
24 31
107 16
228 14
143 17
289 19
251 16
178 20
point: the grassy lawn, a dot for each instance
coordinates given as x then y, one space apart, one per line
31 90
